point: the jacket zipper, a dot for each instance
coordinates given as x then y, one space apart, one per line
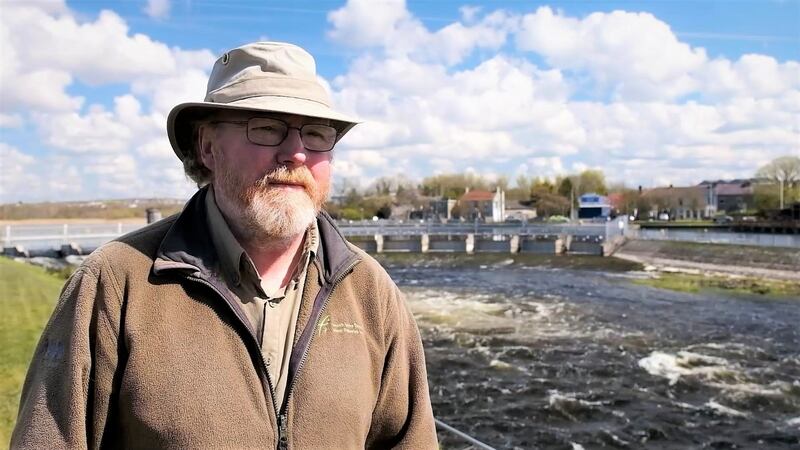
260 356
283 437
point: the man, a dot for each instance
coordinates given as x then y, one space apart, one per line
246 321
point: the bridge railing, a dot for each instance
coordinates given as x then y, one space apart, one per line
94 234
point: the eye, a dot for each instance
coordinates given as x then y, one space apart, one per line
314 133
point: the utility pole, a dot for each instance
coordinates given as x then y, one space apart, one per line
781 180
572 203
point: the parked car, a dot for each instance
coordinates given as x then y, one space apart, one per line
723 219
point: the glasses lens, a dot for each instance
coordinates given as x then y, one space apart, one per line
319 138
266 131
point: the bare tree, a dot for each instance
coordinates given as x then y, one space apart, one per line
784 170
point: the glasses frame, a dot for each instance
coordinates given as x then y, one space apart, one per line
246 124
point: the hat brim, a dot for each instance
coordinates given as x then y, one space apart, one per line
180 119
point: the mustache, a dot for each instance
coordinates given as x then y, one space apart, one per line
300 176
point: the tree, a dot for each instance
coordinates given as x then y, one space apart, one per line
523 183
548 203
452 185
565 187
501 182
784 170
592 181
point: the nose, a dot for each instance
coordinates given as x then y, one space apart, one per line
291 151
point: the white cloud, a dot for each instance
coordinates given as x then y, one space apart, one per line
46 49
389 25
39 90
111 150
15 173
752 76
635 54
157 9
96 132
366 158
542 93
95 52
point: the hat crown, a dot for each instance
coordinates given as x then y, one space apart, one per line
259 77
265 69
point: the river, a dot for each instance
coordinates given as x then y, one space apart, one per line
524 356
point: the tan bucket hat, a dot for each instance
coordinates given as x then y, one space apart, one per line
262 76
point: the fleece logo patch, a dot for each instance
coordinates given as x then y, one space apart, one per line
328 325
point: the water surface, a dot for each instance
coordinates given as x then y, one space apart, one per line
539 357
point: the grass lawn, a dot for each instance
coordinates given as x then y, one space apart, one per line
28 295
696 283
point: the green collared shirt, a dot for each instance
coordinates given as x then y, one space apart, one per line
272 315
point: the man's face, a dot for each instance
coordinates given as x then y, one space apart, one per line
268 192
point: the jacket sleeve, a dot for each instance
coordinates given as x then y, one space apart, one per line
67 391
403 417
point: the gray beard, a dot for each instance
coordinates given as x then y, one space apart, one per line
271 217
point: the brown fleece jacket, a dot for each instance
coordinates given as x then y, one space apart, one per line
147 348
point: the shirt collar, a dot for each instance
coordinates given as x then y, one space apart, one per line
229 251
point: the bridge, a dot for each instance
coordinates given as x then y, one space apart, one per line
376 237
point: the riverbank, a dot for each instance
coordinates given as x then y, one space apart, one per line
696 283
773 263
27 297
494 260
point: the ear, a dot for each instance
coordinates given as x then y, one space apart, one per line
205 149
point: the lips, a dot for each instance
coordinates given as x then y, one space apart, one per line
285 183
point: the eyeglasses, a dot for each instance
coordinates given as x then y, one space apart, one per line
270 132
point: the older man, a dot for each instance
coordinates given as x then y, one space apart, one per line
246 321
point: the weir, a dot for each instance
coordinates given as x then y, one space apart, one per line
591 238
479 243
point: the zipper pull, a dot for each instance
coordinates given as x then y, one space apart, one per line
283 438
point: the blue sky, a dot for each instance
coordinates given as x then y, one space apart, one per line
655 92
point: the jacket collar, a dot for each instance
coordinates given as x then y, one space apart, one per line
187 245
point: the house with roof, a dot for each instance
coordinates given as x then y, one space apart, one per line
734 195
520 210
690 202
477 204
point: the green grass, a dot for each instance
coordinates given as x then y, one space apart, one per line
747 285
27 297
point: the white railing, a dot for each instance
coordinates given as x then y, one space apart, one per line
94 235
55 235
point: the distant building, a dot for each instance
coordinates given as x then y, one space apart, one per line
591 206
520 211
734 195
443 208
690 202
478 204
